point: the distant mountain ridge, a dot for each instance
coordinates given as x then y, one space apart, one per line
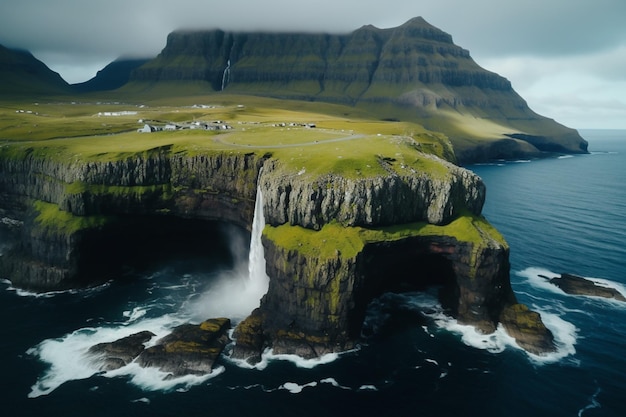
413 71
111 77
367 64
23 74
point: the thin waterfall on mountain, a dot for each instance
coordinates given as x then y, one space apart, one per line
226 75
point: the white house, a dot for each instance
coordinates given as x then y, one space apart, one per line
146 129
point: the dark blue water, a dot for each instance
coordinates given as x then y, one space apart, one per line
558 215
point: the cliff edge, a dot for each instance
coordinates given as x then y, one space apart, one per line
334 238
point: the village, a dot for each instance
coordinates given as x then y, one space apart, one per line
149 127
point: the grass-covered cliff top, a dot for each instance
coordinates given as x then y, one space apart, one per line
315 138
349 241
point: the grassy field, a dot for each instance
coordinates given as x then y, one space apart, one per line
343 140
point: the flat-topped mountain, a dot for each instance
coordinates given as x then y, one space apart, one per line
410 72
22 74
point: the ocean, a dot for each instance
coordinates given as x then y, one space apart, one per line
561 214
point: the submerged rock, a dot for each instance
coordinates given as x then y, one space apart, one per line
576 285
189 349
114 355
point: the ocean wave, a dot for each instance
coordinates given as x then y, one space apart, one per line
294 388
565 333
268 356
67 357
593 403
49 294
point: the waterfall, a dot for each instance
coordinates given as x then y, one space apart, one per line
226 75
257 275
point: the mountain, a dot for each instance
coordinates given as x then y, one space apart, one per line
411 72
113 76
21 74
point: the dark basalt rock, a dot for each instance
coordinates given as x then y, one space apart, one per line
189 350
527 328
576 285
114 355
314 305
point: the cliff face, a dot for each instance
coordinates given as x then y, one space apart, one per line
370 201
62 204
332 244
368 63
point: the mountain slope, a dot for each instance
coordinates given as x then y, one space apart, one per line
113 76
21 74
411 72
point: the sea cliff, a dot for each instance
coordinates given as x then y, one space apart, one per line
333 240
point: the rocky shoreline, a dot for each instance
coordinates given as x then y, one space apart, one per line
332 243
188 350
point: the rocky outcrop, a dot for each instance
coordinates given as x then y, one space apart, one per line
189 349
576 285
316 304
121 352
527 328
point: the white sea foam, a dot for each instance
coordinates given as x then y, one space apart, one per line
495 342
593 403
50 294
235 294
334 383
565 336
300 362
141 400
67 356
565 333
135 314
153 379
294 388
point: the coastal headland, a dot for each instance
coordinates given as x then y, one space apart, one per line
353 207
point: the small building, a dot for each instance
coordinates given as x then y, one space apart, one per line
146 129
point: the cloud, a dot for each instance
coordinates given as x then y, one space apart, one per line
525 41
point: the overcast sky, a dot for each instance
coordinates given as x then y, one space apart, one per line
567 58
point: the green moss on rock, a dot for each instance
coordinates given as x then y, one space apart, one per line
54 220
